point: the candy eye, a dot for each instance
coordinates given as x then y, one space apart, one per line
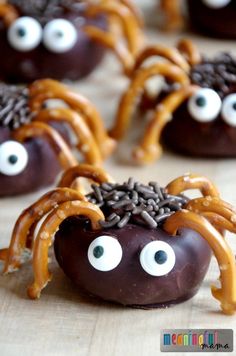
13 158
216 4
25 34
205 105
157 258
59 36
105 253
229 109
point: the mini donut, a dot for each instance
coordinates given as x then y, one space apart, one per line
50 39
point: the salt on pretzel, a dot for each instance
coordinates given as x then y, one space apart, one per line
44 239
41 130
224 255
86 142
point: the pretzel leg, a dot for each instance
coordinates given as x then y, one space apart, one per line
45 89
45 235
192 181
86 142
136 87
8 13
173 17
190 51
149 149
96 174
27 221
224 255
109 41
38 129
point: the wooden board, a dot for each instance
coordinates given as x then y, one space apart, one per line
64 323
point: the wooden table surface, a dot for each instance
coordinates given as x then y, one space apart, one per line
64 323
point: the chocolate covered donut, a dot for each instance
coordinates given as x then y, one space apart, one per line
134 244
194 109
36 139
210 17
62 39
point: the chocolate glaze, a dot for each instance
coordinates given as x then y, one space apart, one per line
40 63
213 22
41 170
128 283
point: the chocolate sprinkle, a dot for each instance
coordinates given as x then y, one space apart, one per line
133 202
218 73
14 109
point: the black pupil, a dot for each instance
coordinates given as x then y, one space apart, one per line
160 257
234 106
59 34
98 251
13 159
21 32
201 101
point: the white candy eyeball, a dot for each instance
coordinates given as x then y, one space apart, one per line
13 158
157 258
216 4
204 105
105 253
59 36
229 109
25 34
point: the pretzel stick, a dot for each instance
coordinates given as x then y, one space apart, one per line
86 143
46 89
149 147
192 181
219 222
135 11
190 51
60 147
224 255
108 40
126 106
21 235
45 235
172 54
96 174
8 13
127 20
173 17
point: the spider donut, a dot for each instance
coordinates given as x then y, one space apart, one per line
64 39
193 113
134 244
35 140
211 17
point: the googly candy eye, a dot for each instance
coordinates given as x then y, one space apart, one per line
25 34
204 105
59 36
13 158
216 4
229 110
105 253
157 258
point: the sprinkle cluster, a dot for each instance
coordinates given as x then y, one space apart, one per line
148 205
14 109
45 10
218 73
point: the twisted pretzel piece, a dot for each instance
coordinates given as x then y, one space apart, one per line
126 106
22 234
43 90
173 17
192 181
45 235
39 129
149 148
225 257
190 51
8 13
96 174
86 142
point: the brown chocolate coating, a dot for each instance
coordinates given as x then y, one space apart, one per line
128 283
42 169
17 67
214 22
